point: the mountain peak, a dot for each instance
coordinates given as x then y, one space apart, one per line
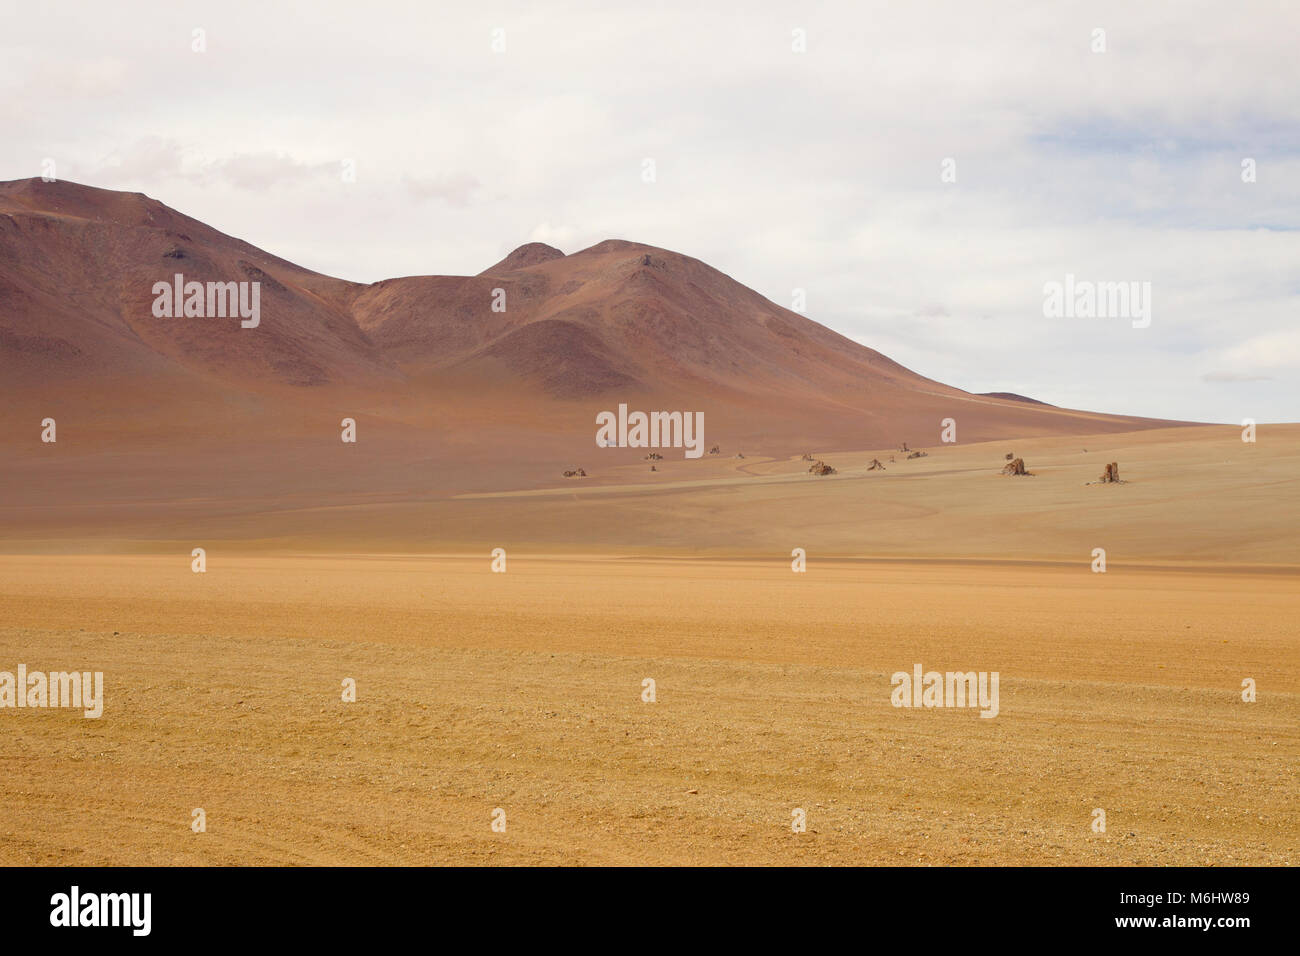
618 245
529 254
65 198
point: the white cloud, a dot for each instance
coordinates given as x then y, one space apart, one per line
455 189
562 237
1275 350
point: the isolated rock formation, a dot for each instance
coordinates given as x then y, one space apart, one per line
917 454
1017 467
580 473
875 465
903 447
820 467
1111 474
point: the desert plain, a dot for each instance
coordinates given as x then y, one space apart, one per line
522 691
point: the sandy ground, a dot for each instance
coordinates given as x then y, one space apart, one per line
522 691
1196 495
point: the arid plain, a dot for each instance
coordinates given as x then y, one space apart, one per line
523 690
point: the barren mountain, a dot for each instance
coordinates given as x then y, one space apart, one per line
456 382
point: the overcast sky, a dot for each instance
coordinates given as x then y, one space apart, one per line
816 170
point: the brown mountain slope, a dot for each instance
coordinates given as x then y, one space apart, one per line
78 266
1011 397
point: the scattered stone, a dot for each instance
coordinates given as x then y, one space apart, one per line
739 455
579 473
806 457
714 450
917 454
653 468
875 465
654 456
903 447
820 467
1017 467
1010 455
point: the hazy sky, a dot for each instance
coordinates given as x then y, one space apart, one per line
816 170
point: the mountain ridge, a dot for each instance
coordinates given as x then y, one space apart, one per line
560 335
